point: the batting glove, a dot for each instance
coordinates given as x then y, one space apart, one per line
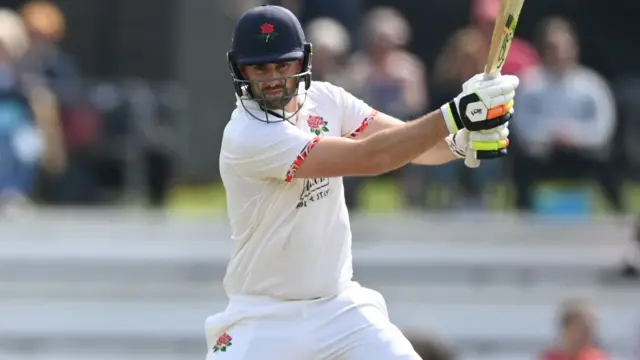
489 143
483 104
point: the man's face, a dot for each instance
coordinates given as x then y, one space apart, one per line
273 82
560 49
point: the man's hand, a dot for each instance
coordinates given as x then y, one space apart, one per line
489 141
482 105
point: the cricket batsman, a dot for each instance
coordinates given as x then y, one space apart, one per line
284 152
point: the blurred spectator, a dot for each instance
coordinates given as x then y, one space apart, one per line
386 74
463 56
522 54
577 331
348 13
139 142
566 120
29 125
331 42
157 139
80 123
46 25
388 77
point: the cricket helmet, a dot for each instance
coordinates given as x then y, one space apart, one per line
269 34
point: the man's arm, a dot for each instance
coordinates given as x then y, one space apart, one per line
437 155
381 152
483 105
282 151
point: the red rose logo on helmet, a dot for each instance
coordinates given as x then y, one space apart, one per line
224 341
317 124
267 28
268 32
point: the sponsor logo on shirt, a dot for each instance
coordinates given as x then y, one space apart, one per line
313 190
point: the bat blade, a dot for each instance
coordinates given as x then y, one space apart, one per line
503 32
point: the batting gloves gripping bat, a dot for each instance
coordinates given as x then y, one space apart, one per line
483 104
478 118
490 142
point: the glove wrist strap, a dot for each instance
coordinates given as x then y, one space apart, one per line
451 117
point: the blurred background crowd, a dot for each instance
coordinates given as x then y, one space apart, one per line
122 103
95 114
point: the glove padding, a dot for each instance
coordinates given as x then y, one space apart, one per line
482 105
491 144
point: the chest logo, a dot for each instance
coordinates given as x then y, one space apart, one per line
224 341
317 124
313 190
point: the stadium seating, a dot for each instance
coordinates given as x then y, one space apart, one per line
136 286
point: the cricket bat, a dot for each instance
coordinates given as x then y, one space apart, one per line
503 32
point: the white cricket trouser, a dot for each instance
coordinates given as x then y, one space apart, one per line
351 326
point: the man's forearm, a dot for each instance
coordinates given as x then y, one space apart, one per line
395 147
437 155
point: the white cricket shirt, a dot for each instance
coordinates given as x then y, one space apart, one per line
291 237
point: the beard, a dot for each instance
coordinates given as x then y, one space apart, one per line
279 101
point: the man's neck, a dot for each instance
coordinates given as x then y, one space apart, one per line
293 105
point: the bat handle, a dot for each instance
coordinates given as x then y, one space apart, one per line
472 158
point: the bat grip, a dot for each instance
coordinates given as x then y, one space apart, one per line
472 160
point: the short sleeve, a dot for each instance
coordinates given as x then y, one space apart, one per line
356 114
272 151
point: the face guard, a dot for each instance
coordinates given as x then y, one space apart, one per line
272 106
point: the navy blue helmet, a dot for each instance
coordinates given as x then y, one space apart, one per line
269 34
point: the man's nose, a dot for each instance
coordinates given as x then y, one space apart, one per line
274 79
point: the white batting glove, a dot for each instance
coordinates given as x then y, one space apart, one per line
491 142
484 104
